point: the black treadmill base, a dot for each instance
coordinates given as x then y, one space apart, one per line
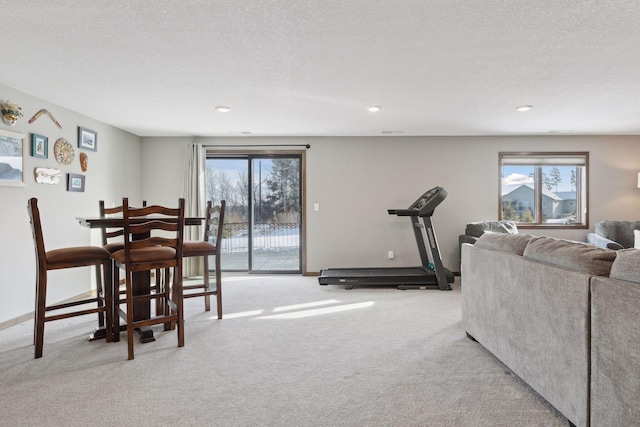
401 278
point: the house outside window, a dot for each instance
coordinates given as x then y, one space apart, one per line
544 189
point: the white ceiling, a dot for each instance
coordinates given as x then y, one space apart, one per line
306 68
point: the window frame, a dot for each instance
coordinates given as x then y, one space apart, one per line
582 187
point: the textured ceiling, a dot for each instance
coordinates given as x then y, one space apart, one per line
295 67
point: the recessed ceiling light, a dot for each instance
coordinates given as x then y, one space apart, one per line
222 109
523 108
392 132
373 108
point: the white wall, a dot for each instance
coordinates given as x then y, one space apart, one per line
113 172
356 179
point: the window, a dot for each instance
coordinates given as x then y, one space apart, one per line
544 189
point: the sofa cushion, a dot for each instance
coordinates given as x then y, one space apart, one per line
513 243
476 229
576 256
626 266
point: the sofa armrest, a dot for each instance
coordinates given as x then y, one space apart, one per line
462 239
615 352
603 242
465 238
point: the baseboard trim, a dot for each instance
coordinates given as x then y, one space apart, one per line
29 316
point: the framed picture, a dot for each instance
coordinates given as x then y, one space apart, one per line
12 146
87 139
39 146
75 182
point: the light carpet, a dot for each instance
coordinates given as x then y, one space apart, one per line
288 353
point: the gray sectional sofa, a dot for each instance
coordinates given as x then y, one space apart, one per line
474 230
562 315
614 234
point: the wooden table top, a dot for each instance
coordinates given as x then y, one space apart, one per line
114 222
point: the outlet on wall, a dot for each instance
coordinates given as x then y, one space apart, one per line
390 254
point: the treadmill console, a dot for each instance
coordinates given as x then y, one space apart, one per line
428 202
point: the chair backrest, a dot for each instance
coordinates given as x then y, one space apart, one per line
157 228
214 222
36 231
110 233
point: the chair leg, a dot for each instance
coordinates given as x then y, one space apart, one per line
159 292
107 302
100 287
41 299
205 276
179 301
115 292
130 330
168 292
218 286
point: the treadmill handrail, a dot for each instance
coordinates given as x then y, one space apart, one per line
404 212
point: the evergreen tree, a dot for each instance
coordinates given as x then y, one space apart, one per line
556 178
283 184
527 216
509 211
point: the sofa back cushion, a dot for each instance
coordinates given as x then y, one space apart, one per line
477 229
626 266
576 256
513 243
618 231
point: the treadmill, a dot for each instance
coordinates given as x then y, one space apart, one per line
431 274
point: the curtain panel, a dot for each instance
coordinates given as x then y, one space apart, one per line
195 203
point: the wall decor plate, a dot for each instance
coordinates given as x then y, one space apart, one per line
63 151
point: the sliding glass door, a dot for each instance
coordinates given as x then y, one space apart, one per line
263 221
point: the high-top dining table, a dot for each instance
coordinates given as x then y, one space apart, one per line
141 280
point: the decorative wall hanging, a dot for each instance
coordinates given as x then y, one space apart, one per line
41 112
63 152
11 159
47 175
75 182
87 139
11 113
39 146
84 162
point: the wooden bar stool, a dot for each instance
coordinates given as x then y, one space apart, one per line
204 248
113 241
153 239
62 258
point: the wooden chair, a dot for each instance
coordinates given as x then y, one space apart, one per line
113 240
63 258
153 239
205 249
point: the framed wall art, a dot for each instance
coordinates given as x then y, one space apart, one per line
39 146
75 182
87 139
12 159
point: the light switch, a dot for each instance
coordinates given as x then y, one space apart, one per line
316 207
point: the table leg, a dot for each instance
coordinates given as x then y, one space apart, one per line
142 309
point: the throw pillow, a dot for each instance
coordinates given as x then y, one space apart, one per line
636 239
514 243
